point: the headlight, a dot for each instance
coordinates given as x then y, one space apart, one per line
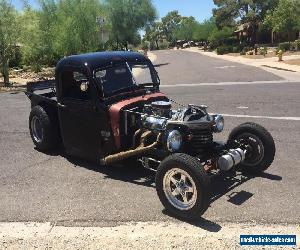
219 124
174 141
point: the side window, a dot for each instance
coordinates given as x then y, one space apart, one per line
75 85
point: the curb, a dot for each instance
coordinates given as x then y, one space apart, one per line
140 235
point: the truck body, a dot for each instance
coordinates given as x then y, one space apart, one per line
107 107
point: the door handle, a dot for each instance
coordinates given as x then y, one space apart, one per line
61 105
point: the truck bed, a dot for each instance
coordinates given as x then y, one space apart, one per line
42 91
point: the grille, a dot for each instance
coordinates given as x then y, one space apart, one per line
201 139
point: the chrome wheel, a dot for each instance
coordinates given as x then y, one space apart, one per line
36 129
180 189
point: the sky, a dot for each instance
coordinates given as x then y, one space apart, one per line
200 9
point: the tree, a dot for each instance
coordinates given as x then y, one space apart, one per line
285 17
48 23
9 31
230 12
186 28
169 24
154 33
127 17
219 37
203 30
33 52
75 29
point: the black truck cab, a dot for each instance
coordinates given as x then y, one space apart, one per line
80 96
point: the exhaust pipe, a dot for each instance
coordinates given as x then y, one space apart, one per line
233 158
142 149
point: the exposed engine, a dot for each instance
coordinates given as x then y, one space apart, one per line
188 129
158 114
152 131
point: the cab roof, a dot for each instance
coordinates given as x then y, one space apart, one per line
92 61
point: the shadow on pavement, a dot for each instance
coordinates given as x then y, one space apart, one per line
160 65
222 184
225 183
202 223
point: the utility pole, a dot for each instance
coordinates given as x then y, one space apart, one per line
100 21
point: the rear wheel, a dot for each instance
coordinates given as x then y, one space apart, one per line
260 146
183 186
43 129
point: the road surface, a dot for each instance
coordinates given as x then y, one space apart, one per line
53 188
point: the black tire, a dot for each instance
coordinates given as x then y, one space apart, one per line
49 138
195 170
264 160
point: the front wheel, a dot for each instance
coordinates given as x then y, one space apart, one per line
259 144
183 186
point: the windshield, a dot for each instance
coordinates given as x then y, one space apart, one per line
123 77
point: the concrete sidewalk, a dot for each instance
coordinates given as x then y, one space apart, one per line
286 71
142 235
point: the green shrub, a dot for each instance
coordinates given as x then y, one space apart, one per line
163 45
297 43
284 46
263 51
145 45
221 36
220 50
235 49
213 45
131 47
16 60
245 50
224 49
230 41
248 48
293 46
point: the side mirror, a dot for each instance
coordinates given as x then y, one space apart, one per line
84 86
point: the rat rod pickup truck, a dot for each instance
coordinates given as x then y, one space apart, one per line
106 107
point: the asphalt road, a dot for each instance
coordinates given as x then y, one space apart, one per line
183 67
39 187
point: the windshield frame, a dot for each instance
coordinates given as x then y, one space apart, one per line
154 77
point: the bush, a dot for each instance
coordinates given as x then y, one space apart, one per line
220 36
213 45
131 47
293 46
235 49
245 50
224 49
284 46
263 51
16 60
297 43
145 45
163 45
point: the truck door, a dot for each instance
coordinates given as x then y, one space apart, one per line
81 121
